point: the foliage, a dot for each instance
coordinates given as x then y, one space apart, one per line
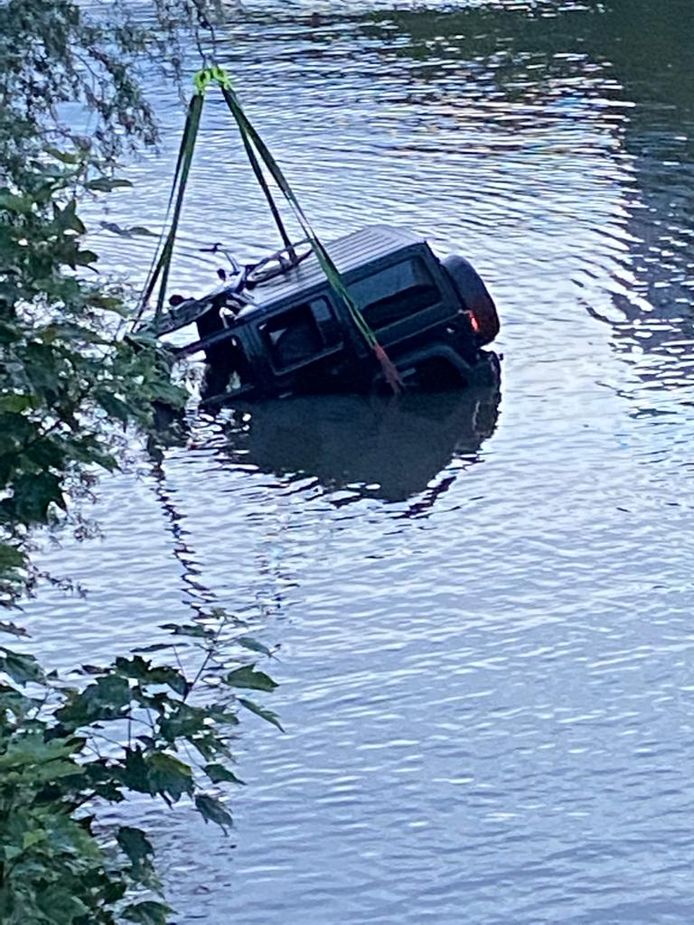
66 375
57 56
135 728
71 387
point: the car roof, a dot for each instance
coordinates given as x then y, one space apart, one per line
349 253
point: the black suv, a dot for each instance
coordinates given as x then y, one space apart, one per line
279 329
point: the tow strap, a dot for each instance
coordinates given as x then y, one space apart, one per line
255 149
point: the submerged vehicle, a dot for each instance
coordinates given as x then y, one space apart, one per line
278 328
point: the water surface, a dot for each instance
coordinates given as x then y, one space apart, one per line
483 604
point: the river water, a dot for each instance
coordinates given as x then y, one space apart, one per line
483 604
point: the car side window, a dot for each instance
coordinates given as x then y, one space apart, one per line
396 292
297 335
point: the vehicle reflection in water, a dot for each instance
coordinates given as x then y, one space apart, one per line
378 447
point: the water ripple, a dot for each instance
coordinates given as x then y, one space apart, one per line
483 602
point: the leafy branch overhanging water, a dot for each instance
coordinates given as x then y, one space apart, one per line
70 387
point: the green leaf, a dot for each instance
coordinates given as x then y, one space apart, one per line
148 913
16 702
33 750
17 403
195 630
12 629
57 906
10 557
20 667
139 669
184 722
248 677
64 157
12 203
135 845
169 394
67 219
134 773
253 645
105 185
113 406
264 713
104 460
84 258
108 304
169 776
212 810
106 698
34 494
33 838
217 773
221 713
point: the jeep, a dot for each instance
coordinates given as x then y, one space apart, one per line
279 329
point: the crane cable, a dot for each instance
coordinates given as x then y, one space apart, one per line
255 149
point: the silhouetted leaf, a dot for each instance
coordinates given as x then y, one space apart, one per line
20 667
135 844
169 776
105 185
33 494
218 773
213 811
253 645
195 630
248 677
133 231
12 629
154 647
264 713
106 698
148 913
140 669
135 774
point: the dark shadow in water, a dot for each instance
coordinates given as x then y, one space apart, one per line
388 448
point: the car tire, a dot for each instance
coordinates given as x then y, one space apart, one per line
475 297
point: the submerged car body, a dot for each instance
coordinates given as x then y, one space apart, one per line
282 330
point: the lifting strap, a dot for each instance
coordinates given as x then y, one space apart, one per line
185 158
255 149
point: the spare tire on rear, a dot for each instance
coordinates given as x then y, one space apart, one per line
475 297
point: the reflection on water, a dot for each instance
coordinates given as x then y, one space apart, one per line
486 668
380 447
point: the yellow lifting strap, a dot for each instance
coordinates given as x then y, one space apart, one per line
257 151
